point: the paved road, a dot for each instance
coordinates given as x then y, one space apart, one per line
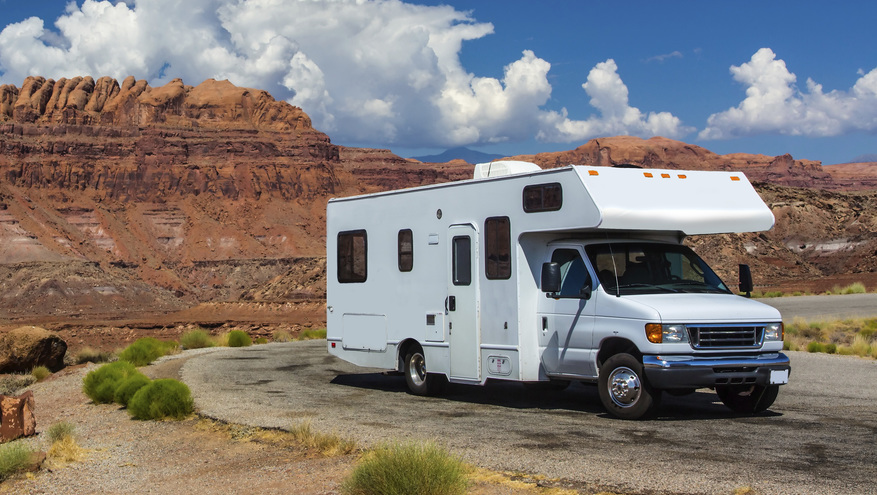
819 437
815 308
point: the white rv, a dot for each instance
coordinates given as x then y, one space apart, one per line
551 276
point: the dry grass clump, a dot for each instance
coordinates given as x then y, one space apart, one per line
282 336
847 337
64 448
89 355
328 444
196 339
12 384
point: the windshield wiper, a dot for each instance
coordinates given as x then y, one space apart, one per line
651 286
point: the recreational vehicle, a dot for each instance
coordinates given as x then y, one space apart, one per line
551 276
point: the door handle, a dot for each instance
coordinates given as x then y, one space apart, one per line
450 303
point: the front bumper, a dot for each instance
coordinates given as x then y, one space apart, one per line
680 372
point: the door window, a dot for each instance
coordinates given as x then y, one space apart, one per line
574 274
462 260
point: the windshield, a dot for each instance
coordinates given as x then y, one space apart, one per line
628 268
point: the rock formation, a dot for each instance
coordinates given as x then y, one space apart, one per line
25 348
17 418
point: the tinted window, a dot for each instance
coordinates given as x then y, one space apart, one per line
543 197
497 233
352 256
406 250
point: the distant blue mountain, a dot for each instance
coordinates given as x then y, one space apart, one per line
871 157
465 154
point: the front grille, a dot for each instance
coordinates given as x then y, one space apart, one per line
726 337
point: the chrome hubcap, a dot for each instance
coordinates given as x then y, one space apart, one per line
624 387
417 369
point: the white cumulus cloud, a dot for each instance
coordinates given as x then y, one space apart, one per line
609 95
366 71
774 104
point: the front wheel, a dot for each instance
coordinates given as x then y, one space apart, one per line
418 380
748 398
623 389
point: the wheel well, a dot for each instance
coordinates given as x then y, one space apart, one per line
616 345
404 347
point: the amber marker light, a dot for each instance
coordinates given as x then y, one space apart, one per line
593 172
654 333
735 178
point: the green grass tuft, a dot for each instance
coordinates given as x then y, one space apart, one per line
405 468
59 431
261 340
239 338
146 350
164 398
100 385
196 339
40 373
312 334
14 458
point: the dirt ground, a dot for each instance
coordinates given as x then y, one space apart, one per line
191 456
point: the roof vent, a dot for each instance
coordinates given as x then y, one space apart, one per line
504 167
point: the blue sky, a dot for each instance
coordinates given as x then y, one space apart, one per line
502 77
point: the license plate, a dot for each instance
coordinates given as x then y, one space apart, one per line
779 377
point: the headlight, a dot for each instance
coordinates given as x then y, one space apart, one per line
774 332
666 334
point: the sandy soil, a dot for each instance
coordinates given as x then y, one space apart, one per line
183 457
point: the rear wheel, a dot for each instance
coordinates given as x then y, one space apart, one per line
418 380
748 398
624 390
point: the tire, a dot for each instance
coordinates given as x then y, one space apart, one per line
748 399
416 377
623 389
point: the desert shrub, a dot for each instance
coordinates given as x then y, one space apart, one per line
89 355
408 468
146 350
830 348
282 336
815 347
128 387
40 373
239 338
196 339
860 346
60 431
164 398
12 384
100 385
312 333
261 340
854 288
14 458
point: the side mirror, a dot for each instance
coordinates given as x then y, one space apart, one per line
551 277
746 280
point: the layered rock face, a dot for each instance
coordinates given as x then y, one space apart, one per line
659 152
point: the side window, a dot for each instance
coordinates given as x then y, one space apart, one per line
462 260
543 197
574 274
498 248
352 256
406 250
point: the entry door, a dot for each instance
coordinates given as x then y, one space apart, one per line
567 321
462 304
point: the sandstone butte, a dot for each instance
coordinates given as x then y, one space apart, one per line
124 199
